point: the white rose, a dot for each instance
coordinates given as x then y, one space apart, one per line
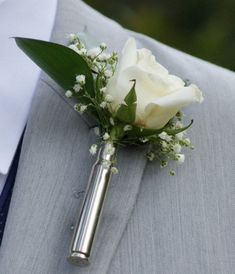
160 95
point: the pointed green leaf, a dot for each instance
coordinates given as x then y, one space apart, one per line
61 63
175 131
99 85
127 112
145 132
117 132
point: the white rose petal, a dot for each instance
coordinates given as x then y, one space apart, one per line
160 95
160 111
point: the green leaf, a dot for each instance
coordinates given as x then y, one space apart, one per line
127 112
61 63
98 85
117 133
145 132
175 131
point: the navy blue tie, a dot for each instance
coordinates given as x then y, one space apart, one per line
5 197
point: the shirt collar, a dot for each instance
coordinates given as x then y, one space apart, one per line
19 75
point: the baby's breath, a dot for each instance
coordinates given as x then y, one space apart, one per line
163 146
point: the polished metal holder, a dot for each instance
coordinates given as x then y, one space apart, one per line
91 210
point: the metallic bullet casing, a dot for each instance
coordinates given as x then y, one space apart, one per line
91 210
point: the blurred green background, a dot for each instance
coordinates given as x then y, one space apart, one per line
203 28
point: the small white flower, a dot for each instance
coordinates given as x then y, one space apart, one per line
103 46
72 37
76 107
180 158
108 98
81 79
106 164
103 89
93 52
172 172
104 56
108 73
73 47
187 141
178 124
164 144
82 108
97 66
163 163
144 140
68 93
106 136
97 131
111 121
110 149
165 136
179 135
82 51
77 87
127 127
114 170
103 105
150 156
93 149
177 148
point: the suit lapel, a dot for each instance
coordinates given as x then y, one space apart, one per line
54 169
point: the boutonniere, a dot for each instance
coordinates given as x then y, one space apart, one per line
134 100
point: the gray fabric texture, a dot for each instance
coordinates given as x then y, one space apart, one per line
182 224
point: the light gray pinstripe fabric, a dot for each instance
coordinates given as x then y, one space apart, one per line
179 225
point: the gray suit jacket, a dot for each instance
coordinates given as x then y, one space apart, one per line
181 225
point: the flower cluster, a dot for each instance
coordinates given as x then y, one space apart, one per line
169 147
102 66
117 124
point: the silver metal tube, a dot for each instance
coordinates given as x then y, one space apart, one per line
86 227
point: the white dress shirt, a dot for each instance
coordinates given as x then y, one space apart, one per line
18 74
